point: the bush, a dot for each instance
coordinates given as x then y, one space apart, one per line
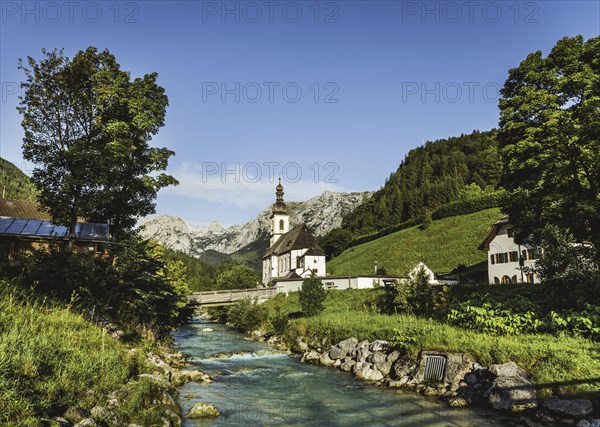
133 285
417 296
473 204
279 321
247 315
312 296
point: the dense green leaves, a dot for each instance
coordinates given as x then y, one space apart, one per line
312 296
87 128
550 140
14 184
429 177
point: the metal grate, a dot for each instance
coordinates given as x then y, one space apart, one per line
435 367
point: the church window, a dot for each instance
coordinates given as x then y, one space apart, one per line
281 225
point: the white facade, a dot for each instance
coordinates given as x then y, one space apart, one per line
509 262
293 253
336 282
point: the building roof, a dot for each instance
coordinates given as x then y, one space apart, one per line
20 209
36 228
485 246
298 237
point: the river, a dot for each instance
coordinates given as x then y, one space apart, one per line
255 385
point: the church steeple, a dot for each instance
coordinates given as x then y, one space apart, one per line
280 220
279 207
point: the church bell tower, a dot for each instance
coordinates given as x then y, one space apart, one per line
280 220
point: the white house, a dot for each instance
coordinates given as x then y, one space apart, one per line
293 253
508 262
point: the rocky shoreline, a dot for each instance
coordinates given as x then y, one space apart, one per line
167 372
455 378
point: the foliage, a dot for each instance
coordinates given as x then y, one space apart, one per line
14 184
247 315
52 358
417 295
402 341
279 321
571 268
134 285
312 296
444 245
235 276
201 276
473 203
429 177
550 140
335 242
351 312
87 129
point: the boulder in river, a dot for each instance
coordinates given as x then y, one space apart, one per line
512 393
576 408
202 410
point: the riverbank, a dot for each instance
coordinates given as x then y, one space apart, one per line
62 367
562 367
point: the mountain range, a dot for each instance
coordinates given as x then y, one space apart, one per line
246 243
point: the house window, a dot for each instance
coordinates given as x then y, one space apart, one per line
509 232
496 281
505 280
513 256
493 259
529 277
281 225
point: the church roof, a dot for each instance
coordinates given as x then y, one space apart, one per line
298 237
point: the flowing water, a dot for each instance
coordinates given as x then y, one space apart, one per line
255 385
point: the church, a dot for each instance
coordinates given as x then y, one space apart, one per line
292 253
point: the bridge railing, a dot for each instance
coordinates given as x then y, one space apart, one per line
211 297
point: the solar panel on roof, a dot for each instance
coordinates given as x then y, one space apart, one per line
60 231
5 223
31 227
17 226
45 229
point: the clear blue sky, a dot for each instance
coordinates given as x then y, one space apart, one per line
401 73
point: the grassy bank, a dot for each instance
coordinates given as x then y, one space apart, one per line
569 363
444 245
52 358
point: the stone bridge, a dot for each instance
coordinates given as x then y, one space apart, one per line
219 298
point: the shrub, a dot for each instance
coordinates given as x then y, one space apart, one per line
279 321
417 296
312 296
247 315
470 205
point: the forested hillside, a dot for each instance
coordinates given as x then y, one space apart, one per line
429 177
14 184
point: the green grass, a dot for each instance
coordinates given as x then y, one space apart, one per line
447 243
349 313
52 358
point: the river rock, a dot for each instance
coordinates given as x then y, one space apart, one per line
393 356
311 356
377 357
379 345
325 360
300 345
576 408
347 364
367 373
343 348
383 367
61 421
362 354
512 393
86 422
75 414
509 369
201 410
361 345
402 369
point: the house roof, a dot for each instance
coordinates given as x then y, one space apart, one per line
485 246
20 209
298 237
39 229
